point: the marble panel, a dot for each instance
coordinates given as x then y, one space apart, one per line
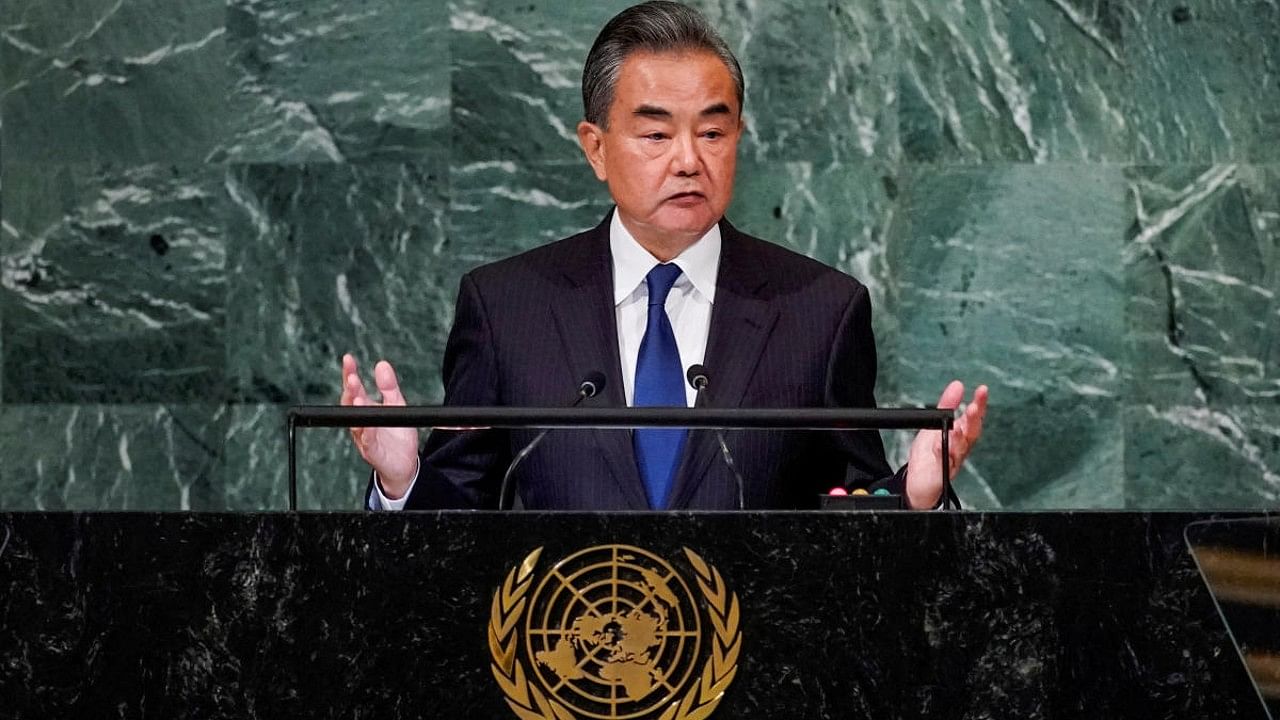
1202 456
334 258
1206 80
113 283
1011 80
331 474
501 208
1010 275
516 77
1203 278
113 80
1203 281
821 78
4 233
111 457
333 81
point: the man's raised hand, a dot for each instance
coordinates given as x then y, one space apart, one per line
924 464
393 452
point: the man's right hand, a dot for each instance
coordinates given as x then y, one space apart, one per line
393 452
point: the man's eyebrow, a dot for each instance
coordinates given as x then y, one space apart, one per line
652 111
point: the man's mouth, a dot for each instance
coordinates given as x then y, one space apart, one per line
687 197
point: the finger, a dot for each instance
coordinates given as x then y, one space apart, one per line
959 444
357 433
974 414
979 404
353 394
388 385
363 401
348 368
968 427
952 395
352 388
349 371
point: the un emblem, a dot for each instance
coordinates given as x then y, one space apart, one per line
614 632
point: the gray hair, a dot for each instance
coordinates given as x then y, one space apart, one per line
654 26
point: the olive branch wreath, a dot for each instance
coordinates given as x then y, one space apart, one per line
530 703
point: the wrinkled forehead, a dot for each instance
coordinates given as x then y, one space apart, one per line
695 80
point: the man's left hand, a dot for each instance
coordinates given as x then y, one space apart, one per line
924 464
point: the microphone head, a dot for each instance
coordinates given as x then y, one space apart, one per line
591 385
697 376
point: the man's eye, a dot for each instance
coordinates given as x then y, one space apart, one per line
655 136
713 134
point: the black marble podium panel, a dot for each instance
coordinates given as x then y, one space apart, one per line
884 615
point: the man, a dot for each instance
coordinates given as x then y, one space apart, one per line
663 283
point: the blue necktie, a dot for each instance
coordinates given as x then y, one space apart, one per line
659 382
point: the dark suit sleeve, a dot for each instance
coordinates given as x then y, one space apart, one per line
851 381
462 469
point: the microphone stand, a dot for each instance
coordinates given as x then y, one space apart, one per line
697 377
589 388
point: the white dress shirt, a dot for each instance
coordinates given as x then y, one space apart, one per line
688 307
688 304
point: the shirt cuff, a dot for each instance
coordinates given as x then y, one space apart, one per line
379 501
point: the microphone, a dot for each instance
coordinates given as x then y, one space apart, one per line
592 384
699 380
697 377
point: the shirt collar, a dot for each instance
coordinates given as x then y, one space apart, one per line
631 262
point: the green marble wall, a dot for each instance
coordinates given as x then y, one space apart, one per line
204 203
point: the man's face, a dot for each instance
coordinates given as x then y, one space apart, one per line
671 148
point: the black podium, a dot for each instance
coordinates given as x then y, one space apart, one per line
497 615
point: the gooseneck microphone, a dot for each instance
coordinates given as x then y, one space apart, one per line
591 385
699 380
697 377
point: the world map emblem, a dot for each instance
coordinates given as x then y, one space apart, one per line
614 632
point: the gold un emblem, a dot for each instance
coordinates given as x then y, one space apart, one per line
614 632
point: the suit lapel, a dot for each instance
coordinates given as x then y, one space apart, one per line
587 323
741 321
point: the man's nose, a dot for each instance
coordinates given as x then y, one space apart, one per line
686 160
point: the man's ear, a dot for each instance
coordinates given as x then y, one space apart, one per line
591 138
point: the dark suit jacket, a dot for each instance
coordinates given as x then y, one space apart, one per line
786 332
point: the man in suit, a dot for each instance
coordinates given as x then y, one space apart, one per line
664 282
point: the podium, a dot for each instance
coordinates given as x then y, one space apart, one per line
663 615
